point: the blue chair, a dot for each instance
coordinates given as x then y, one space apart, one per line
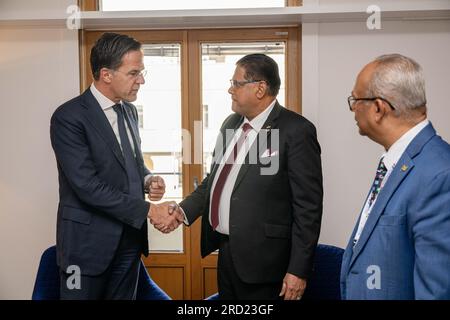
46 286
324 282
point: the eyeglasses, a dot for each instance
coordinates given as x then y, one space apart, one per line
238 84
134 73
352 100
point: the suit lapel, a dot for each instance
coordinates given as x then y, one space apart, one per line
399 173
268 126
98 120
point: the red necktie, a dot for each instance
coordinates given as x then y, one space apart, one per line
224 175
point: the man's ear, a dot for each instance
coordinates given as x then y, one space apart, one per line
106 75
380 109
261 90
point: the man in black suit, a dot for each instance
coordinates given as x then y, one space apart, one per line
102 214
262 202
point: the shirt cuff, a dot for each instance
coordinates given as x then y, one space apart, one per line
186 222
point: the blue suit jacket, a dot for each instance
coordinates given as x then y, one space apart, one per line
94 204
404 249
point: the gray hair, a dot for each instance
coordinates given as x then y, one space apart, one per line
399 80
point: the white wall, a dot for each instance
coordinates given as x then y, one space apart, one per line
38 71
333 54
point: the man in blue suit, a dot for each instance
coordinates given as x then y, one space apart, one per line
102 214
400 247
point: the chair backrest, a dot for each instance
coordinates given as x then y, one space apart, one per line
46 286
324 282
147 288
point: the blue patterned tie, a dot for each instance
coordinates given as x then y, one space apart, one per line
134 180
376 186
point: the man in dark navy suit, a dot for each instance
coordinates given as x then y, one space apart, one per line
102 214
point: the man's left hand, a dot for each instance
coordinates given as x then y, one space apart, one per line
156 188
293 287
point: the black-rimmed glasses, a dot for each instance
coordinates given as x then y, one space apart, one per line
352 100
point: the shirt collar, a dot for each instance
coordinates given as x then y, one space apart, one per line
394 153
104 102
258 121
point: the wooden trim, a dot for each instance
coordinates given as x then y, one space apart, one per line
86 44
185 120
194 80
245 34
294 3
88 5
81 57
293 70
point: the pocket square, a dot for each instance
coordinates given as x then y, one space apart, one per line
269 153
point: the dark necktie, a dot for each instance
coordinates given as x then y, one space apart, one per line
218 188
374 191
134 179
376 186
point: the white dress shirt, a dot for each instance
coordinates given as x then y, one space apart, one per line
107 106
224 203
390 159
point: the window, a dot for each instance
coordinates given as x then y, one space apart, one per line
135 5
205 116
140 110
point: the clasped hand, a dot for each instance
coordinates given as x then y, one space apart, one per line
166 216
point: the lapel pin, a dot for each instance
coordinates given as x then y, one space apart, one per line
404 167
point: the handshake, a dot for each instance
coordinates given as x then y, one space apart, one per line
166 216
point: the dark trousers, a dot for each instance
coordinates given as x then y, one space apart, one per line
118 282
231 287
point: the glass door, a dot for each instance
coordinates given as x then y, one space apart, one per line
159 107
212 58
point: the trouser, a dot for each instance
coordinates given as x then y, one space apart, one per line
118 282
231 287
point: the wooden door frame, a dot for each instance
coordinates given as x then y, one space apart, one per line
195 269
